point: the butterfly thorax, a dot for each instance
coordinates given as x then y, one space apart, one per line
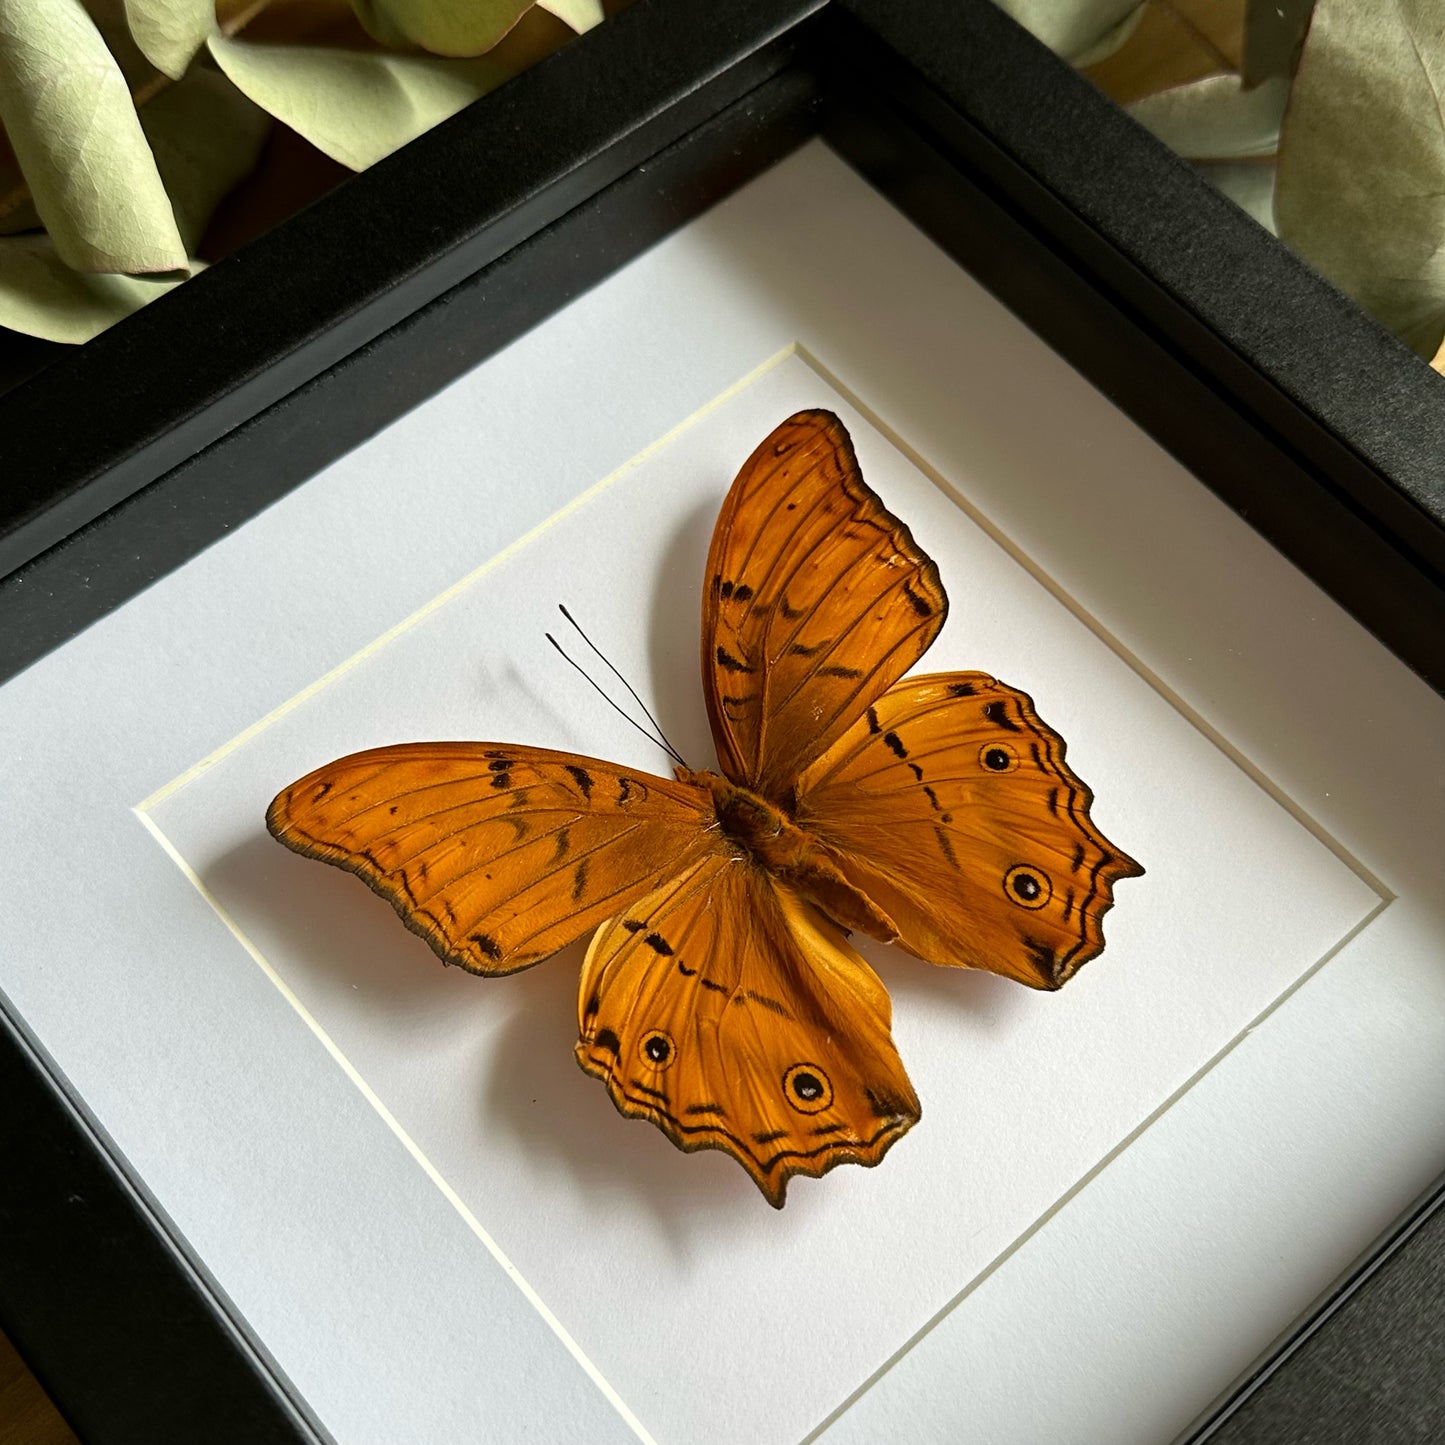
762 832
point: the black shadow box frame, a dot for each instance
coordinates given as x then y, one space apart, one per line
1296 409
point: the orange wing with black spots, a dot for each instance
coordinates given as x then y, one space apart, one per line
496 855
950 805
734 1016
816 600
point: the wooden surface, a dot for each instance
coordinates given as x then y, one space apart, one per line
26 1415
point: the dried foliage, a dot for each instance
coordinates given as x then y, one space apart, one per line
140 139
1324 119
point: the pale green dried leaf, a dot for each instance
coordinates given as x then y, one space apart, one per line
356 107
579 14
1361 190
170 32
206 136
41 296
1249 184
444 27
1216 118
70 121
1071 28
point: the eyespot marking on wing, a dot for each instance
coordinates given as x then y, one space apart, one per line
1027 886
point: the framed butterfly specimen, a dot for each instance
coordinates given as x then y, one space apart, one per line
720 997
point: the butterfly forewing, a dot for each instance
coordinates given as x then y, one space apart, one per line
497 855
817 599
735 1017
951 806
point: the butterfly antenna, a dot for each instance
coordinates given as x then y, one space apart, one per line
661 742
607 662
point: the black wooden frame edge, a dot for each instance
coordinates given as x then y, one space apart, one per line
1229 1421
113 1265
1021 62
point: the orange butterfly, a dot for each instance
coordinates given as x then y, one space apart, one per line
719 997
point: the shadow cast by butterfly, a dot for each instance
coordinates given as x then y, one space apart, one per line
673 657
339 948
321 930
984 1000
536 1091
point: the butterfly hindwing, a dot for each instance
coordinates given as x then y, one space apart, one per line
816 600
497 855
951 806
734 1016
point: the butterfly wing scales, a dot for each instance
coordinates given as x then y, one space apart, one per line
497 855
734 1016
816 600
951 806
